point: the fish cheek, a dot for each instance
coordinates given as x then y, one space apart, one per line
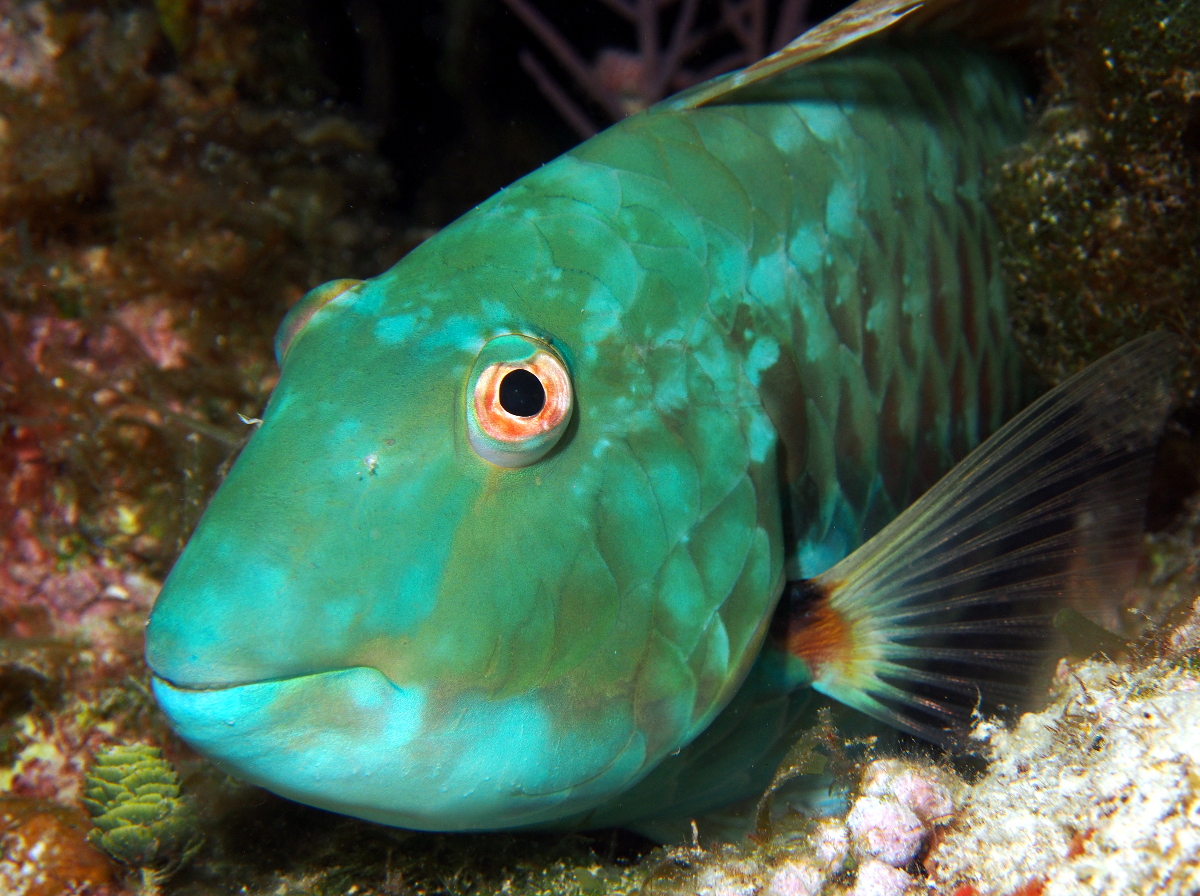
519 556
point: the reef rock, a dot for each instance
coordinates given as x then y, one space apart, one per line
1099 793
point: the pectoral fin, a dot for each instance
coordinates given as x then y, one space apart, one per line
949 608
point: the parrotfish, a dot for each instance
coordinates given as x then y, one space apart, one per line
565 518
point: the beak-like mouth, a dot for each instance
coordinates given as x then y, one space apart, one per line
352 741
297 710
331 739
161 681
164 681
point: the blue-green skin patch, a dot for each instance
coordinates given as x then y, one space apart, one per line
783 319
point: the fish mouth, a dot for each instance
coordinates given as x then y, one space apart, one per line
353 741
337 740
166 681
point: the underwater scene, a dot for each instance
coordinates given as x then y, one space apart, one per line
727 447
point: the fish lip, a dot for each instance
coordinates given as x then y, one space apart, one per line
216 688
352 741
278 733
175 686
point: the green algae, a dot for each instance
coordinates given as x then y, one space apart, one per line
267 845
141 817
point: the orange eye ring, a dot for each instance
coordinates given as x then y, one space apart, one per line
507 427
519 400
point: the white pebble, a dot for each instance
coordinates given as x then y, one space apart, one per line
877 879
914 788
923 796
795 878
877 779
831 842
885 830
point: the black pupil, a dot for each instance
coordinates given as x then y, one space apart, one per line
521 393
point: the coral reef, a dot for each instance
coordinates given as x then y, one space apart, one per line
1097 793
162 201
1097 208
172 179
158 216
876 847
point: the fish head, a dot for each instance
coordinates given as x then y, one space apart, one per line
450 582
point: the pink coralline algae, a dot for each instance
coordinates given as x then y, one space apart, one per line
39 596
153 325
831 845
795 877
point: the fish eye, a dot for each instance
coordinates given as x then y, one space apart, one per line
519 401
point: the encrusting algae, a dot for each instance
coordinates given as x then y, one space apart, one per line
1097 209
156 223
44 851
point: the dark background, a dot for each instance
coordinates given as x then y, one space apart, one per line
440 82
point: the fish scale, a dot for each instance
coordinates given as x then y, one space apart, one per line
780 318
844 484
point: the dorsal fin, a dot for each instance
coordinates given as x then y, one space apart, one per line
1005 24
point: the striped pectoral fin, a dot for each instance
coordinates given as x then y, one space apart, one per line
949 608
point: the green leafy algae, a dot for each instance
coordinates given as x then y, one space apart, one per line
142 820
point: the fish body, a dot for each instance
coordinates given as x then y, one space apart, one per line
761 328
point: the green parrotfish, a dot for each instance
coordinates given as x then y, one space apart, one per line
563 519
